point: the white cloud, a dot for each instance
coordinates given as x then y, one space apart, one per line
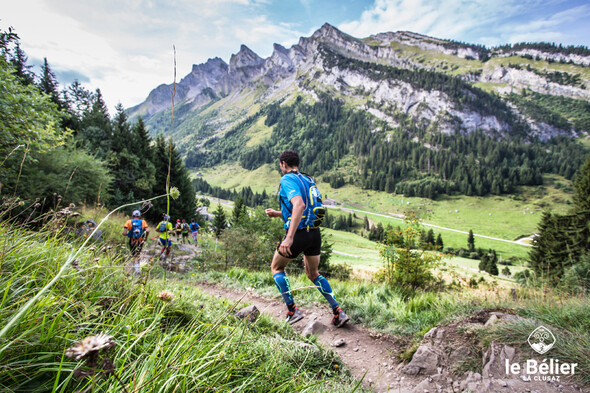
125 48
440 18
476 21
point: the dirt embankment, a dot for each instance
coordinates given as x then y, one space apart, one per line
444 361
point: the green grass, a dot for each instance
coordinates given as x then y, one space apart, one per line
193 342
363 254
506 217
374 304
258 132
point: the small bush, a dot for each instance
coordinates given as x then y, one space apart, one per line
577 277
473 255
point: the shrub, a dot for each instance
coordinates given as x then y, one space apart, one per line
577 277
405 267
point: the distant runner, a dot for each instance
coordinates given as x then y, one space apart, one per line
185 230
294 197
166 230
178 229
137 231
194 227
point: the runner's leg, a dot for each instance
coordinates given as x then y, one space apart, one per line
311 269
277 267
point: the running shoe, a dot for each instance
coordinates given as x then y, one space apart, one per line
340 319
294 316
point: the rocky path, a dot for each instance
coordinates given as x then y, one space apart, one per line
366 353
374 357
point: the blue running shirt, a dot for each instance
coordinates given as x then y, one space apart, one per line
290 187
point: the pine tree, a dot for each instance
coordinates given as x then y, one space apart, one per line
239 212
95 132
439 242
366 224
185 205
141 145
22 70
220 221
483 263
122 161
48 84
430 239
582 189
471 242
491 265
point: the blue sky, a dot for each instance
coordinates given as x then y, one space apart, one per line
124 47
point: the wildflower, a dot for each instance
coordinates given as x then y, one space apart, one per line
174 193
166 296
90 346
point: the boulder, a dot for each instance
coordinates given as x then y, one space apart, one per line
494 360
313 327
250 312
424 362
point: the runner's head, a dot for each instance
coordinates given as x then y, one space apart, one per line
288 160
136 213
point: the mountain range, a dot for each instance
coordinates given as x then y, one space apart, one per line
398 82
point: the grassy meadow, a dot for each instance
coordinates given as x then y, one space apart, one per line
76 319
503 217
160 333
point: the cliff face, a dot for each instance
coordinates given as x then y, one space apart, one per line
305 69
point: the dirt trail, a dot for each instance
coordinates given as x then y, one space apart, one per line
363 352
373 355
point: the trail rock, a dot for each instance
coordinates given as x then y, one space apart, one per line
495 358
492 320
313 327
460 354
339 343
250 312
424 361
431 333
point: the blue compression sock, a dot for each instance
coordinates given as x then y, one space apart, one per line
284 288
324 287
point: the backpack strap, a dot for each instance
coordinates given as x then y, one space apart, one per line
304 192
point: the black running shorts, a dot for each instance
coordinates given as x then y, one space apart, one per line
310 243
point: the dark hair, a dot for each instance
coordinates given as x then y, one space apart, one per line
290 157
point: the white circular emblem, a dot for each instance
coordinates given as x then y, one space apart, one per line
541 340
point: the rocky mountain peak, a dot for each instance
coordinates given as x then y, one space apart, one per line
244 58
327 30
212 65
